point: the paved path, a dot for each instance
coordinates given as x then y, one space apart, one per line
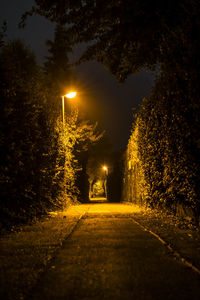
108 256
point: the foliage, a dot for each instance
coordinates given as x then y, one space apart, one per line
39 155
57 65
22 130
74 138
57 72
3 33
126 36
135 186
168 140
83 152
167 130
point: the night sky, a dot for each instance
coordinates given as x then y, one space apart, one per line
106 101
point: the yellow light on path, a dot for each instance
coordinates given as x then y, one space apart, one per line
71 95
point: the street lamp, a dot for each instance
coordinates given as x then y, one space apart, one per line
71 95
68 95
105 169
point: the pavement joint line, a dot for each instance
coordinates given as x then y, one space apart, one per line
175 253
73 228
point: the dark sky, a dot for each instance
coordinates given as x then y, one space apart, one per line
107 101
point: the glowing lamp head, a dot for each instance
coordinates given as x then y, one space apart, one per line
105 168
71 95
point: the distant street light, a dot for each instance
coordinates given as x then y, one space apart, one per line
68 95
105 169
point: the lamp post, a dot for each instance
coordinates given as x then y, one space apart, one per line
105 168
69 95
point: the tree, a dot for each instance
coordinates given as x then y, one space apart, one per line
126 36
57 63
39 155
73 138
3 33
23 132
73 142
57 71
57 76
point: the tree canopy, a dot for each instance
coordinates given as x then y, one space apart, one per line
125 35
3 33
57 62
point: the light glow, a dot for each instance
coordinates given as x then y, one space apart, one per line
105 168
101 209
71 95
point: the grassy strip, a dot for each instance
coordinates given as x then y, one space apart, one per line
181 234
24 254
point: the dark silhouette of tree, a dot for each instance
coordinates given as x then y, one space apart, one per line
3 33
127 35
57 63
57 71
22 131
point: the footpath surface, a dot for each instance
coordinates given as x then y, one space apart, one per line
101 251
